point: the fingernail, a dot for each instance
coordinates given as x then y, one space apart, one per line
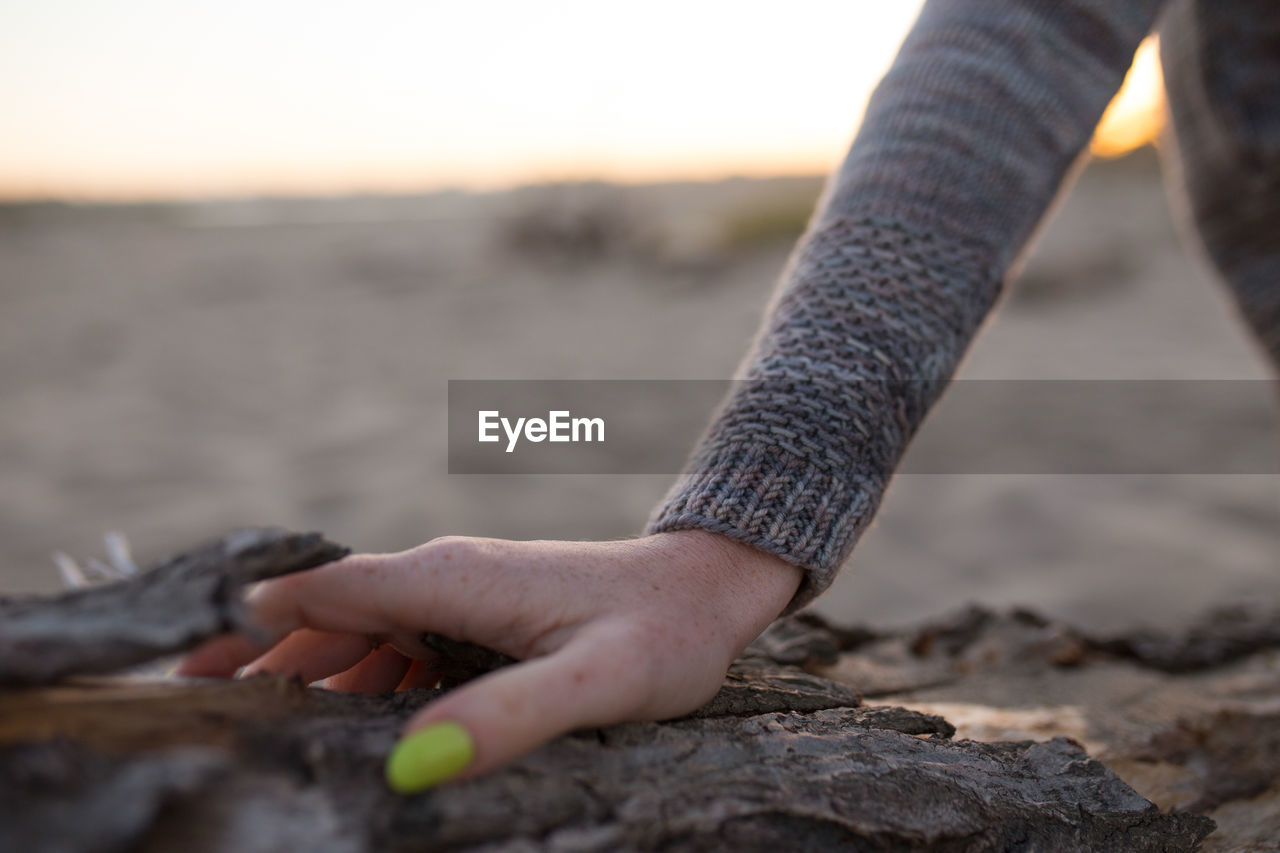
428 757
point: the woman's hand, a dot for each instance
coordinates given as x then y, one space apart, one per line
607 632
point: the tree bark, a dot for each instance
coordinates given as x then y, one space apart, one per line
179 603
785 757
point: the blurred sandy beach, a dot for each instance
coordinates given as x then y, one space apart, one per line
171 371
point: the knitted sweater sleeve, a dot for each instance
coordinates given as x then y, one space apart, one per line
963 147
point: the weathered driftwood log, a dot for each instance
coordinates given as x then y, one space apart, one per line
1190 720
264 765
782 758
182 601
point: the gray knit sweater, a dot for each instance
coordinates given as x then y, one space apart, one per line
965 144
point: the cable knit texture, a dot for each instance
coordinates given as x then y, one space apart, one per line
1222 63
964 145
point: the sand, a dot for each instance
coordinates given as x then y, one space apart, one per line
174 371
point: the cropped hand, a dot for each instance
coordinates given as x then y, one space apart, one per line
606 632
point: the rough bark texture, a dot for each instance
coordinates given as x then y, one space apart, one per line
1191 720
256 764
187 599
784 757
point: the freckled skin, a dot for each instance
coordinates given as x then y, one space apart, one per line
640 629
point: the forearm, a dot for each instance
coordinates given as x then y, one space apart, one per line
964 146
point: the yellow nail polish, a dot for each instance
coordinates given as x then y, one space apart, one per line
428 757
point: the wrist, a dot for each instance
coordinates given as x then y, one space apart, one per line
748 587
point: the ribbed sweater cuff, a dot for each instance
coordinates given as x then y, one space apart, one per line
776 501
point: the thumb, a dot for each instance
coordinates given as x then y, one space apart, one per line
505 714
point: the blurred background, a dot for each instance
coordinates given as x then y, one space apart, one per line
243 247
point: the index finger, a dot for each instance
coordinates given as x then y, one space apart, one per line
373 594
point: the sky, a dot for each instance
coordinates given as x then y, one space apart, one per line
140 99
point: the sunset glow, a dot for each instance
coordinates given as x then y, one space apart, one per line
1136 114
137 99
